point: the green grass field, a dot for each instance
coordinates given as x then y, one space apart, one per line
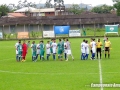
58 75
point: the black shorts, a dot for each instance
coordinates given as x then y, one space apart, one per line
107 49
98 50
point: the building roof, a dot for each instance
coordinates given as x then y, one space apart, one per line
16 15
25 9
63 20
44 10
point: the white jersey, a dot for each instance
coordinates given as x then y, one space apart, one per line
93 45
83 47
54 47
16 45
47 48
38 48
68 45
86 48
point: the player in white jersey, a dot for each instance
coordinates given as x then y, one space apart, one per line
65 50
16 45
83 50
38 51
69 52
86 49
54 48
48 50
93 46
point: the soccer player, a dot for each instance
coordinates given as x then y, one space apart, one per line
19 49
107 47
33 46
54 48
42 47
28 44
65 50
83 50
24 50
99 44
16 45
93 46
38 51
60 46
86 49
51 50
48 49
69 52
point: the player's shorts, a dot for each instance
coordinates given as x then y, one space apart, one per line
69 52
34 53
60 52
54 51
42 52
19 53
65 50
38 51
107 49
87 51
93 50
48 51
16 51
83 50
98 49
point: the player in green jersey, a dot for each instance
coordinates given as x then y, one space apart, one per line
42 47
60 49
19 49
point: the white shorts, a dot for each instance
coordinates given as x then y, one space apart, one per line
69 52
83 50
54 51
16 52
48 51
93 50
38 51
65 50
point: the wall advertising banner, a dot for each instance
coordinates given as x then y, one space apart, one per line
48 34
61 29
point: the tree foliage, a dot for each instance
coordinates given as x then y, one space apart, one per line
75 9
102 9
117 6
4 9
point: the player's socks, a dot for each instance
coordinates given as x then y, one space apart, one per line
47 57
100 55
40 57
65 56
58 57
105 55
36 56
32 58
108 55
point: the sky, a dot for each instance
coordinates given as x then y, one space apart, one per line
90 2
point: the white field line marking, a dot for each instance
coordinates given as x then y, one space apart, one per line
52 73
100 73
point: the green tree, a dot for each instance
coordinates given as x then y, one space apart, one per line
117 6
4 9
102 9
75 9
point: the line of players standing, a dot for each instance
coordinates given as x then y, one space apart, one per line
52 48
94 47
